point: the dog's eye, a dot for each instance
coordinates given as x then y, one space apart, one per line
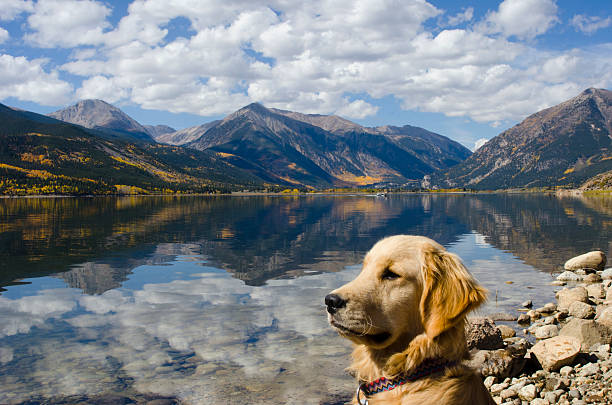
389 275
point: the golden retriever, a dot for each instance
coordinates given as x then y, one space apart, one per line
408 306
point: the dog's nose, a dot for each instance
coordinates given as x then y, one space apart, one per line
334 302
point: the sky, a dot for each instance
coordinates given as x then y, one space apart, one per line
464 69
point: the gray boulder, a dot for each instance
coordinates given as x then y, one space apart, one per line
591 260
546 331
556 352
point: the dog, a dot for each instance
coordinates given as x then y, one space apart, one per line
405 313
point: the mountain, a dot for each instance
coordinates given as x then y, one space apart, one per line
320 151
186 135
98 114
158 131
560 146
42 155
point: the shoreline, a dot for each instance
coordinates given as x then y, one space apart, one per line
560 193
564 356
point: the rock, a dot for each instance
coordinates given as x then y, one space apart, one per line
609 294
605 317
588 332
581 310
546 331
481 333
596 291
528 392
591 260
501 363
607 274
489 381
502 316
523 319
566 370
569 276
497 388
506 331
588 370
566 296
534 314
558 283
539 401
529 303
556 352
592 278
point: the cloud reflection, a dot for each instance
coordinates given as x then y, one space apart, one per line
204 340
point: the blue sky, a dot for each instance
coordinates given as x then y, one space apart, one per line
467 70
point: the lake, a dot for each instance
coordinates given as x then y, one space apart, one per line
219 299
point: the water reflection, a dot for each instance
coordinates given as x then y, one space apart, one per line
207 339
219 299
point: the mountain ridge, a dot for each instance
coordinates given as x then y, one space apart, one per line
563 145
287 146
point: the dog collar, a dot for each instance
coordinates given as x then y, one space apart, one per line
427 367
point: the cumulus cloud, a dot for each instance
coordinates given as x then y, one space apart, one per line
524 19
12 8
588 24
479 143
67 23
311 56
27 80
357 109
103 88
4 35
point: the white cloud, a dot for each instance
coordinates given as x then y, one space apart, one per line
310 56
103 88
12 8
462 17
479 143
27 80
4 35
357 109
67 23
6 355
588 24
524 19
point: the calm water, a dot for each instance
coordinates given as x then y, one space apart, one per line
218 300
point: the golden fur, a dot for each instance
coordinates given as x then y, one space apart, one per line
408 304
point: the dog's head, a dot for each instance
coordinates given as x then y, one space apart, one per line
409 285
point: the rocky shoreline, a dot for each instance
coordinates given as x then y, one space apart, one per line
564 356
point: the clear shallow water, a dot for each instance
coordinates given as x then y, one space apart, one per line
219 299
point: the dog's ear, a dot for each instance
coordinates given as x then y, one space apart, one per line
449 292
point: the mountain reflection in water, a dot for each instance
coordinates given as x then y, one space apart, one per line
219 299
